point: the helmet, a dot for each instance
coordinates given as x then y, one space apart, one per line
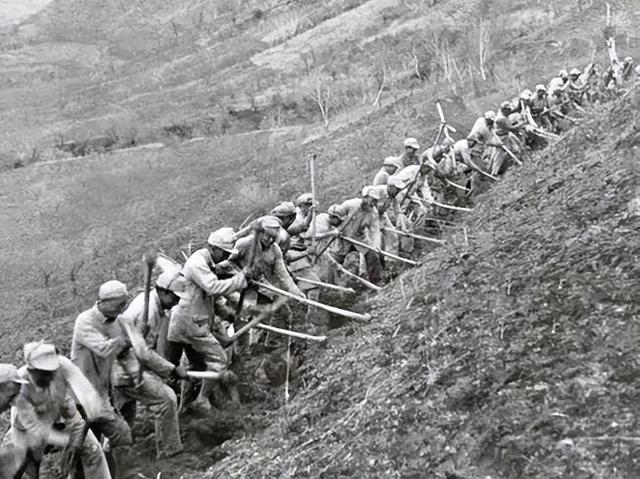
563 74
540 87
627 60
490 115
525 95
338 211
304 199
506 105
284 208
575 72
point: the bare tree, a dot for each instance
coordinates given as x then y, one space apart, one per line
484 39
322 99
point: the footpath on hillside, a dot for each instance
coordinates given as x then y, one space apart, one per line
511 352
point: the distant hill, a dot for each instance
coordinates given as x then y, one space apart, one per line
15 11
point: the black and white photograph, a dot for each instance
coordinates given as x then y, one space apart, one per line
319 239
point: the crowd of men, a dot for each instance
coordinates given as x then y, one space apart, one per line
126 352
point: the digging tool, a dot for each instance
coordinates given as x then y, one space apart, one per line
445 206
325 285
413 235
484 173
204 374
149 260
348 273
456 185
326 307
508 152
313 198
72 461
379 251
261 317
246 220
293 334
559 114
339 232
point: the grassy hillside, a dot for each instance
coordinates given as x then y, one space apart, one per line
511 353
145 71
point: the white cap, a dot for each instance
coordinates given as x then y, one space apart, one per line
270 222
390 161
284 208
166 278
112 289
372 192
490 115
338 211
575 71
540 87
9 373
222 238
304 199
412 143
41 356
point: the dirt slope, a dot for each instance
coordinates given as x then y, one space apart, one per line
511 353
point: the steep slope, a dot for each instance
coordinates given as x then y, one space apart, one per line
511 353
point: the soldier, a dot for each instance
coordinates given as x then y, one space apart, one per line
558 83
305 206
325 229
97 341
540 111
46 399
260 254
390 166
13 457
139 374
410 155
294 249
364 226
505 140
194 318
575 87
482 129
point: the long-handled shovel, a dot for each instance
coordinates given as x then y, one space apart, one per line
326 307
379 251
348 273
